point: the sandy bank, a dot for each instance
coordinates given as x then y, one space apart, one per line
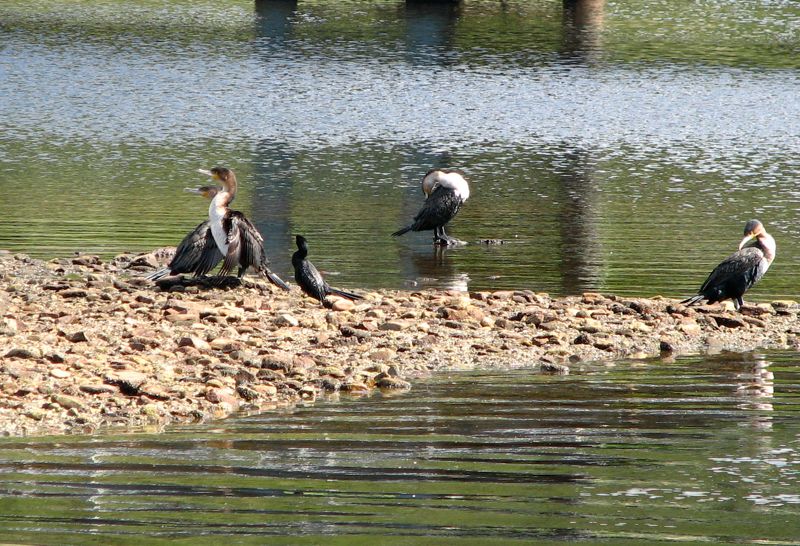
86 344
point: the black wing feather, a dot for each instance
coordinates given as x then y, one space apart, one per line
734 276
439 208
310 280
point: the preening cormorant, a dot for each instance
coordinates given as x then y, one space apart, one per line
197 253
310 279
741 270
236 238
446 191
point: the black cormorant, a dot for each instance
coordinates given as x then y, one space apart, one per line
446 191
236 238
741 270
309 278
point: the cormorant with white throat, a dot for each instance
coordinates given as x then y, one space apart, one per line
310 279
236 238
741 270
197 253
446 191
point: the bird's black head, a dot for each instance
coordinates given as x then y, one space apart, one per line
301 242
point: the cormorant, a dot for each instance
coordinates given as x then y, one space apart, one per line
741 270
309 278
197 253
446 191
236 238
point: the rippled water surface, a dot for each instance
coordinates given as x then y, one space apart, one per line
615 145
693 450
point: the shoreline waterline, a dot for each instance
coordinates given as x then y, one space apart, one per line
90 345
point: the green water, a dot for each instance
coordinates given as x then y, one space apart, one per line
618 146
698 450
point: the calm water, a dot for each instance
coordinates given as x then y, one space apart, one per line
618 146
696 450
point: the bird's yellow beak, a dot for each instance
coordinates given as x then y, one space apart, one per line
747 238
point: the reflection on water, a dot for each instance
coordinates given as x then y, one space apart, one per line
696 449
612 145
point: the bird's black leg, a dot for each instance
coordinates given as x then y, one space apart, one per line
444 239
738 303
439 237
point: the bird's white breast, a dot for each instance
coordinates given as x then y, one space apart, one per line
216 213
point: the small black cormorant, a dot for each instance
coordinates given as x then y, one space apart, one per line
446 191
310 279
741 270
236 238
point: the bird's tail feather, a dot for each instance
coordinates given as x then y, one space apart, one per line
399 232
345 294
693 299
158 274
274 279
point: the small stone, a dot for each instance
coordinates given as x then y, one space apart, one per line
26 353
331 384
127 381
96 388
8 326
58 373
67 402
308 392
755 321
76 337
287 320
383 354
389 382
728 322
223 395
553 368
37 414
342 304
194 341
394 326
152 390
582 339
74 293
224 344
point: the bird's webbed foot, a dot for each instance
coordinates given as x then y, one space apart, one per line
446 240
440 238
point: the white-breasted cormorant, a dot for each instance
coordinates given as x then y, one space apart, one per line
197 253
310 279
741 270
446 191
236 238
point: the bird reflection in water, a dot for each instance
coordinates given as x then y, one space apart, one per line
433 267
756 384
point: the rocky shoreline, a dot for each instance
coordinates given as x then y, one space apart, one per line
88 345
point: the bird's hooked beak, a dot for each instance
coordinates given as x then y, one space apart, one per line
747 238
206 172
198 191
